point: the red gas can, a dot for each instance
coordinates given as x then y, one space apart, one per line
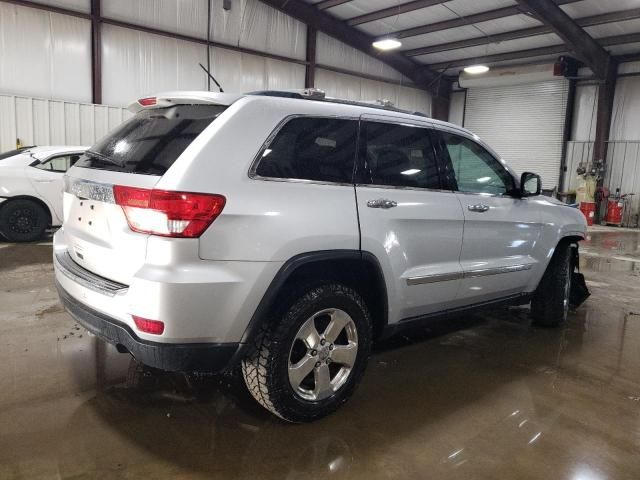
588 209
615 207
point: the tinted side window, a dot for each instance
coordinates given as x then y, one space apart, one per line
473 168
399 156
310 148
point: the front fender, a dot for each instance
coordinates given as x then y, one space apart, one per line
559 222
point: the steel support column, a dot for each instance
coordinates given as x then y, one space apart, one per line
96 52
606 93
310 72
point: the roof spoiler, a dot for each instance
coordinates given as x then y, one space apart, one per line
168 99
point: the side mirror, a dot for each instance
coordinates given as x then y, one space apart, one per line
530 184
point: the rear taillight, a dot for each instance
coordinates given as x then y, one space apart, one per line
155 327
166 213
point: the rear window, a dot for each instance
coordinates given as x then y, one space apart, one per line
151 141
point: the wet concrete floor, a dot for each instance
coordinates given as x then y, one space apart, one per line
485 396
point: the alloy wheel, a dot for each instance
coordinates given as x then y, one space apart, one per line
323 354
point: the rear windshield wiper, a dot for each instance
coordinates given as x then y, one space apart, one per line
104 158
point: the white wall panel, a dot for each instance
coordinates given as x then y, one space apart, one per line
241 72
456 108
414 100
629 67
334 53
584 113
284 75
356 88
188 17
626 110
44 54
625 116
37 121
252 24
135 64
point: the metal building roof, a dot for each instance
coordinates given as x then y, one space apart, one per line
444 34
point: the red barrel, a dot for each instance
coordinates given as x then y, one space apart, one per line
615 208
588 209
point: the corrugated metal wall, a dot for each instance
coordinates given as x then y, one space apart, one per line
356 88
523 123
55 50
36 121
137 63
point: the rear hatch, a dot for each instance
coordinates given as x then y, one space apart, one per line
136 154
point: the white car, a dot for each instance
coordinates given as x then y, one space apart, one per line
287 231
31 187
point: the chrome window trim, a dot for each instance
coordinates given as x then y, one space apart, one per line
487 195
299 180
480 272
258 157
394 187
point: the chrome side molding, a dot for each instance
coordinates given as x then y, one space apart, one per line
481 272
438 277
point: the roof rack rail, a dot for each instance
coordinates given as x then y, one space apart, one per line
317 94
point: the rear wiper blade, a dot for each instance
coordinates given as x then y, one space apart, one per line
104 158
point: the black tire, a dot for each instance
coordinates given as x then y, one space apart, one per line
266 369
23 220
550 303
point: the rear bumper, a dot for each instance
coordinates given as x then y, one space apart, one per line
185 357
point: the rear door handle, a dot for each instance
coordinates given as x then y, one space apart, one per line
480 208
382 203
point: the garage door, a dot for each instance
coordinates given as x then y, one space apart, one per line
523 123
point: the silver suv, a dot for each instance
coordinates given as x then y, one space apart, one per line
286 231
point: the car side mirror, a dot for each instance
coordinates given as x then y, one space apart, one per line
530 184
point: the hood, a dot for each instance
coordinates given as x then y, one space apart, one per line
555 201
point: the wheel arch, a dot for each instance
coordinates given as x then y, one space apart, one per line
31 198
357 269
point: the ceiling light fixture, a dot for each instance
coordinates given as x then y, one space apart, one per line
387 43
476 69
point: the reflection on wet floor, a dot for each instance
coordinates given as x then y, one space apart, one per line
484 396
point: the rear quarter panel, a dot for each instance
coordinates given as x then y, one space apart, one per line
263 219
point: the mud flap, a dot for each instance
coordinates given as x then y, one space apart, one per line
579 291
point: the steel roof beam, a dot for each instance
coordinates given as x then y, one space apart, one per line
393 11
325 4
420 74
467 20
579 42
604 18
533 52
